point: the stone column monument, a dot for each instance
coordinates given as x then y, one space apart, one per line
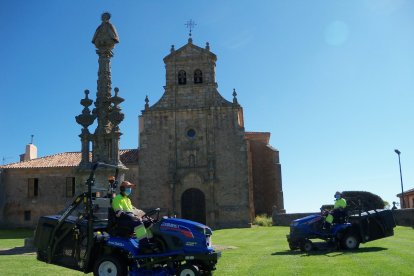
107 112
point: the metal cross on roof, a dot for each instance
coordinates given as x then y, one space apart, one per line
190 25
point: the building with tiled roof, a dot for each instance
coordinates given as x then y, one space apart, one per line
408 198
66 159
43 186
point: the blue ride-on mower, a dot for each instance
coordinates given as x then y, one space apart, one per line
85 237
346 232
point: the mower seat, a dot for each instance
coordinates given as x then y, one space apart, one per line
114 229
340 216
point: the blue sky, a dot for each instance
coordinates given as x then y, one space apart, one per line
332 81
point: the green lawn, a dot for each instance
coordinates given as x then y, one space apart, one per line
255 251
264 251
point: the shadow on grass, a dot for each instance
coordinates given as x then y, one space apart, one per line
21 250
331 252
18 233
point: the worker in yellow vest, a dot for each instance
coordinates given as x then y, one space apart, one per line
338 210
125 217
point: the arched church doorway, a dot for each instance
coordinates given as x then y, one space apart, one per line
193 205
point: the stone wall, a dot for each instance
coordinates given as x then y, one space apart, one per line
50 199
285 219
403 217
266 171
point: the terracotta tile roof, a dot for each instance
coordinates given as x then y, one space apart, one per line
67 159
129 156
408 192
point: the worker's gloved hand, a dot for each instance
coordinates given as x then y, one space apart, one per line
147 223
135 218
118 213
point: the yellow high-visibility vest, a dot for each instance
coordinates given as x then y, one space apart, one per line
340 203
122 203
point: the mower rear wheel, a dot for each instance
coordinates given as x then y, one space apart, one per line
350 241
306 246
188 270
109 266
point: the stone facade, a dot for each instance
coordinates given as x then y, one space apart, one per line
34 192
266 173
192 144
194 148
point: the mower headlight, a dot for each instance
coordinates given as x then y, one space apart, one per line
294 224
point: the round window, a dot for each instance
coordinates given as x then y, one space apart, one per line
191 133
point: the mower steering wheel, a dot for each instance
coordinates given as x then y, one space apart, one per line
150 215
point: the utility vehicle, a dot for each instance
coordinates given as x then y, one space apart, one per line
347 233
85 237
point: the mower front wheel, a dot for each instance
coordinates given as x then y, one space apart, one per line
306 246
188 270
350 241
108 265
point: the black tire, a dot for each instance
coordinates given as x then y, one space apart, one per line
110 266
306 246
350 241
188 270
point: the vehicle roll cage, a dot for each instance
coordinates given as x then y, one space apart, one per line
86 198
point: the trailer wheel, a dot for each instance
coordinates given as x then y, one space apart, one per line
306 246
109 266
188 270
350 241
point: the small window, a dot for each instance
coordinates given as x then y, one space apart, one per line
198 76
182 77
27 215
191 133
70 186
33 187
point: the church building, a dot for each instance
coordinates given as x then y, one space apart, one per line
195 159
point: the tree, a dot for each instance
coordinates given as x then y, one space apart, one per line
361 200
